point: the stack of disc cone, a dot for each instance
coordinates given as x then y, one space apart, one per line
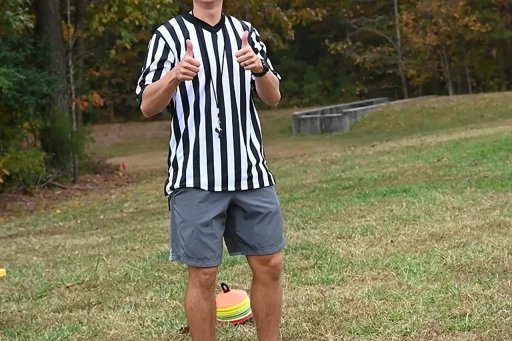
233 306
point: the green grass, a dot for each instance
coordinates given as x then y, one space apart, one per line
409 239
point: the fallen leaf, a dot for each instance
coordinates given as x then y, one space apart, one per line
70 285
184 330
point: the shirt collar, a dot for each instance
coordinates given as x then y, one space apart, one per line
216 28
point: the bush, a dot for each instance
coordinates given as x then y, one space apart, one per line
59 141
23 167
34 141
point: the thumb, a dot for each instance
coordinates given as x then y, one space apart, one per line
245 39
190 49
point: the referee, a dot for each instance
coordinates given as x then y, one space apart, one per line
204 65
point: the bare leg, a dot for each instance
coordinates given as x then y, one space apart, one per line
200 303
266 295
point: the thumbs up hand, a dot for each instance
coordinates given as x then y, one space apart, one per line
246 56
188 68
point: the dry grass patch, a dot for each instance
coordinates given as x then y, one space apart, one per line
405 240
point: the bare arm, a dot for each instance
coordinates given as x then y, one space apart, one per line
267 88
157 95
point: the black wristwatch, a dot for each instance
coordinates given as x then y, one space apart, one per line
266 69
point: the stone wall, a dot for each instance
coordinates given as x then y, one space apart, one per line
334 118
338 118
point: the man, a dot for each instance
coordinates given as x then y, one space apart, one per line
204 65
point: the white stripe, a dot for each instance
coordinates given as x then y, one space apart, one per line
250 132
226 91
191 118
148 63
202 102
168 38
263 160
258 147
238 90
172 145
156 60
179 148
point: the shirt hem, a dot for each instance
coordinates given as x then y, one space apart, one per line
244 186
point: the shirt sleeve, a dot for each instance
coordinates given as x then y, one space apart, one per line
260 49
158 62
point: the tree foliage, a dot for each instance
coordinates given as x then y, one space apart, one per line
327 52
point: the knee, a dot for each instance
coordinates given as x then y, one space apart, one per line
203 278
268 268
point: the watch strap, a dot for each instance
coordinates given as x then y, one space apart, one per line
266 69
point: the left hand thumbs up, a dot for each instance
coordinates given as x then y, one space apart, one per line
246 56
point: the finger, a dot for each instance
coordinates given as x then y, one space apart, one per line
190 48
251 65
194 62
188 75
245 39
244 58
191 68
243 50
248 63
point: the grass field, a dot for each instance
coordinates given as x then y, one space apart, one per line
398 230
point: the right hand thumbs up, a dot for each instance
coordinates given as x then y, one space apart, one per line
189 67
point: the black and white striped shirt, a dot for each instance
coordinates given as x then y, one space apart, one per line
198 156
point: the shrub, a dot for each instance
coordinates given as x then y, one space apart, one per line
23 167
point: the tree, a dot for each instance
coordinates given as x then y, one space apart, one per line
383 23
442 29
15 16
49 28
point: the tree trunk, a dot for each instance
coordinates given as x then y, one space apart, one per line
399 52
502 67
49 29
80 9
446 70
466 68
71 67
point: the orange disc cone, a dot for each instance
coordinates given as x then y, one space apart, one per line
233 306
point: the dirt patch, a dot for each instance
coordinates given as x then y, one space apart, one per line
118 133
22 204
142 162
282 150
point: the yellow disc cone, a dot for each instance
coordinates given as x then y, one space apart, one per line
3 273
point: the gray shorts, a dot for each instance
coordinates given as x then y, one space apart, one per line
250 223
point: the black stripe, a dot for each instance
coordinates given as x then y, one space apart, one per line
243 111
247 136
258 170
175 122
150 56
208 113
222 109
234 110
196 158
186 111
258 137
258 40
177 135
173 115
161 63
